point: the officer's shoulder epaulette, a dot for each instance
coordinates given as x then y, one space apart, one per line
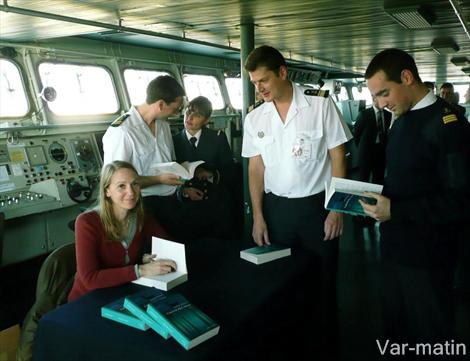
317 92
119 120
256 105
449 115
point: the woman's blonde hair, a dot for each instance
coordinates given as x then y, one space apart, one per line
109 220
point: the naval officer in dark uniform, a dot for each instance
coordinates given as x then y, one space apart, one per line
424 208
208 207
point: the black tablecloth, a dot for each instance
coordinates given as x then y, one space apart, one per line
264 312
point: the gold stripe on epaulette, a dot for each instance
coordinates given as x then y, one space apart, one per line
449 118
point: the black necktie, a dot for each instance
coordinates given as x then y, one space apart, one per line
193 141
381 127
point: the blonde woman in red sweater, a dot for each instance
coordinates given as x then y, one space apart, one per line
110 238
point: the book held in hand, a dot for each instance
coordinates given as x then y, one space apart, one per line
137 303
342 195
185 170
115 311
263 254
186 323
165 249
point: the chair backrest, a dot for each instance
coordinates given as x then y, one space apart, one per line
55 281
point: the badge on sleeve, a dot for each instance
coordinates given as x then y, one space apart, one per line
260 134
119 120
449 118
317 92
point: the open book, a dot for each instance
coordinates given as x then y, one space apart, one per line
167 250
185 170
343 195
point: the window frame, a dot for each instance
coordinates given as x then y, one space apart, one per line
27 93
187 71
142 68
85 118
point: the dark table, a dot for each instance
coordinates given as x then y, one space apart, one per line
264 312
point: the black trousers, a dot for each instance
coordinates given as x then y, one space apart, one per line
299 223
418 303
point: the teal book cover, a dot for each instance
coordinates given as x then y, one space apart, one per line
137 303
348 203
266 249
186 323
115 311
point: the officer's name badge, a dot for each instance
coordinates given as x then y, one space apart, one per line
449 118
260 134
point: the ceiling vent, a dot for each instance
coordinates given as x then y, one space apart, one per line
444 46
410 16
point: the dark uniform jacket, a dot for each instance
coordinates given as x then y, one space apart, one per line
371 156
214 215
428 182
213 148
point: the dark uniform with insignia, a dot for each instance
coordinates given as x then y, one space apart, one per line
428 182
212 216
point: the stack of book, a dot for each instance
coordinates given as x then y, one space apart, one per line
168 315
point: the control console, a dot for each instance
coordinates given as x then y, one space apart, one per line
48 172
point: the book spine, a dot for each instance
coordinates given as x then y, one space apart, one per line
126 320
177 335
136 311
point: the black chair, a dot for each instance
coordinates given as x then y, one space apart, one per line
55 281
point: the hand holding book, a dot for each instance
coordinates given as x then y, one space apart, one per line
344 195
380 209
157 267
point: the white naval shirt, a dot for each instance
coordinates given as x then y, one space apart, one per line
295 153
133 142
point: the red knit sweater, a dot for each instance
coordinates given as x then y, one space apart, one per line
100 262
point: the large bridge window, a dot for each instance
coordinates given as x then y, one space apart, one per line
81 89
13 100
234 88
362 93
343 94
205 85
137 81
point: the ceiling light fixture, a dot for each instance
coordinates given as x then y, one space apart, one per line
466 70
459 60
444 46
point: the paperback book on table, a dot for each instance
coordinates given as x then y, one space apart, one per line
117 312
342 195
186 323
137 304
267 253
165 249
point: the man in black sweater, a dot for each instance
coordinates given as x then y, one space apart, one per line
207 198
424 206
